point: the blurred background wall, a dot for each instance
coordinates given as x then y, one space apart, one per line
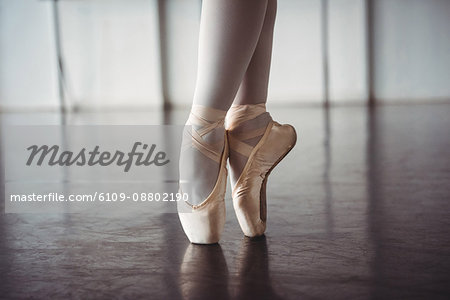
142 53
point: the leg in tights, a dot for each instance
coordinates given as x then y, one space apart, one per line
229 34
253 89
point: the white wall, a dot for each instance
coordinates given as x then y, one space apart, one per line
297 73
111 52
28 67
347 51
412 50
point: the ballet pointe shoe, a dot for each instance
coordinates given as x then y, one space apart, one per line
204 223
249 192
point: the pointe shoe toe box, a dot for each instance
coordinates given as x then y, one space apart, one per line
204 225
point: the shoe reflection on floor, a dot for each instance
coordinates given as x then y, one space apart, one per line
204 272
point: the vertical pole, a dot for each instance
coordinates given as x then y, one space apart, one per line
57 33
162 21
325 53
370 42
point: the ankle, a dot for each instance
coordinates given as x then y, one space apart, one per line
247 115
205 114
209 122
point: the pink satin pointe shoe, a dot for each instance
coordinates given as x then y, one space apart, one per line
249 192
203 223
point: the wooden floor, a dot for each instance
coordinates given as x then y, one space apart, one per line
360 209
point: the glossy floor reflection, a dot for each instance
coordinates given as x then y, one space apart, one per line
358 210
